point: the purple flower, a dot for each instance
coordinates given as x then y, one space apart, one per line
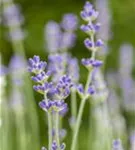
35 65
91 90
45 104
88 13
80 89
55 105
45 88
73 69
88 43
63 87
117 145
67 40
54 145
90 28
41 77
69 22
12 15
99 43
91 63
53 36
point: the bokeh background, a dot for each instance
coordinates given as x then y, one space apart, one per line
33 130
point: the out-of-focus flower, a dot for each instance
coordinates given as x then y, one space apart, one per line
12 15
69 22
117 145
52 34
73 69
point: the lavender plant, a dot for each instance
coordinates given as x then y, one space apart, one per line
89 14
54 96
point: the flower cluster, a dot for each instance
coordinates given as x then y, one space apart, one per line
90 15
90 63
53 105
63 87
59 91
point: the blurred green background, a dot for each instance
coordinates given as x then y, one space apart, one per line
38 13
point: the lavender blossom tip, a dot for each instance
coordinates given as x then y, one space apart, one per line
88 13
35 65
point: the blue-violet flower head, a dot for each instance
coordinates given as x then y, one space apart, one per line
35 65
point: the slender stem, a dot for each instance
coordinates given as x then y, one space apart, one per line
93 47
57 130
49 130
93 55
78 122
80 113
88 81
73 103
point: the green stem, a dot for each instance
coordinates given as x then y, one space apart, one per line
49 130
73 103
21 131
57 129
88 81
78 123
80 113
